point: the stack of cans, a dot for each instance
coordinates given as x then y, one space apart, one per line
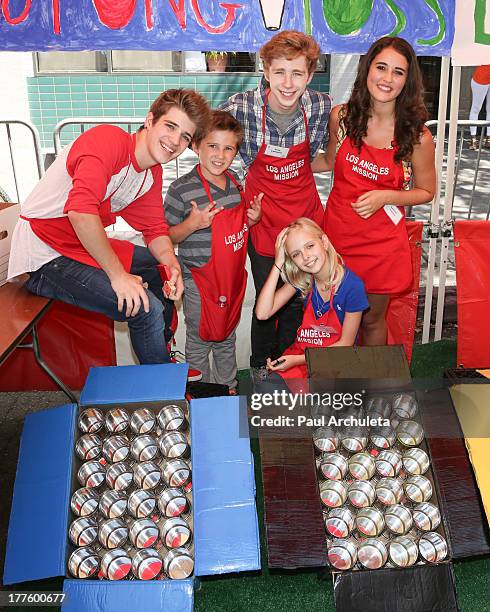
376 489
132 510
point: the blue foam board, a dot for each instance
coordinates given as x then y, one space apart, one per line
223 488
36 541
128 596
142 383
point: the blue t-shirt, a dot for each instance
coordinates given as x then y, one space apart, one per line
349 297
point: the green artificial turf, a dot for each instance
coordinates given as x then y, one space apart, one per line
306 591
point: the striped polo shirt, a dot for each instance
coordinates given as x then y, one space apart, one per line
195 250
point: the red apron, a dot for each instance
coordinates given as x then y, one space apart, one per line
223 279
376 249
59 234
313 333
288 187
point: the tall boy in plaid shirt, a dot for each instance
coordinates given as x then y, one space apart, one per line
285 126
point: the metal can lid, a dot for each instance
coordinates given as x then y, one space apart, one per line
398 519
432 547
361 493
83 562
115 564
362 466
178 564
426 516
146 564
403 551
409 433
418 489
342 554
372 553
370 521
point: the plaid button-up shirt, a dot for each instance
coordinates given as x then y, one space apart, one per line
247 107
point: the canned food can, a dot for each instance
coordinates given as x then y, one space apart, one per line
333 466
403 551
119 476
144 448
116 420
147 475
141 504
84 502
340 522
362 466
84 562
325 439
113 504
91 474
90 420
176 473
172 502
398 519
146 564
415 461
175 532
142 421
383 437
432 547
115 564
143 533
342 554
361 493
83 531
410 433
113 533
404 405
418 489
388 463
372 553
333 493
178 564
354 439
173 444
88 447
171 418
378 406
116 448
389 491
426 516
370 521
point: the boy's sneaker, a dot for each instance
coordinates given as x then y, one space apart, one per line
193 375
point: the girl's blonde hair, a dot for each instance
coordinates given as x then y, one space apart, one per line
303 281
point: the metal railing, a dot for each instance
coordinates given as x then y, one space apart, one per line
36 145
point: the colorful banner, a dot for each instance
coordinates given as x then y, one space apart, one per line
472 34
340 26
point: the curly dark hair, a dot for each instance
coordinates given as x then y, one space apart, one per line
410 110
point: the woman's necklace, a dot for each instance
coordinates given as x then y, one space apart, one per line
317 301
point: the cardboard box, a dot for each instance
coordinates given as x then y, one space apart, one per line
415 589
226 534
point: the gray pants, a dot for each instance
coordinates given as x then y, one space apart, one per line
223 366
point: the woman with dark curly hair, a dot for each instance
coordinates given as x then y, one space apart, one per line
383 160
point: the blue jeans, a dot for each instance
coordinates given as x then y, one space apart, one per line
88 287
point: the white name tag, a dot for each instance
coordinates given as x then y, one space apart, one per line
393 213
276 151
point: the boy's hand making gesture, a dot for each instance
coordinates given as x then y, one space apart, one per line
202 218
254 212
